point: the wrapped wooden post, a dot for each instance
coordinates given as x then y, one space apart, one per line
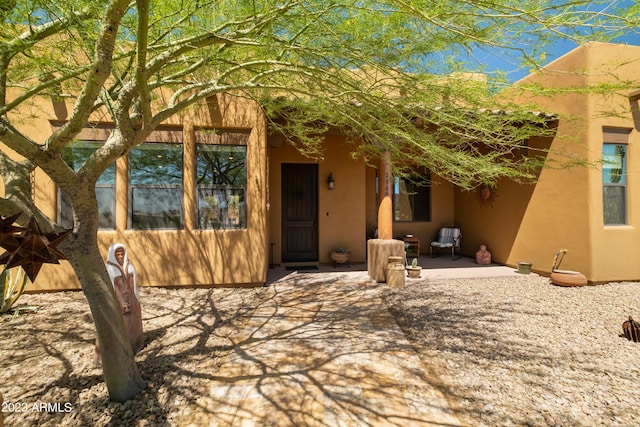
395 272
379 251
385 203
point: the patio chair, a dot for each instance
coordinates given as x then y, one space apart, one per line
448 237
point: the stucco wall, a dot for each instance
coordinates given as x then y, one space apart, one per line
564 209
602 253
494 222
615 249
341 212
179 257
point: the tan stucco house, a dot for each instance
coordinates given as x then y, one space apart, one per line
593 212
239 199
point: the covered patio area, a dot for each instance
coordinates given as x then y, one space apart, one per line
437 268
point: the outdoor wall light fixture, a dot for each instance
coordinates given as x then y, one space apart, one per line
331 183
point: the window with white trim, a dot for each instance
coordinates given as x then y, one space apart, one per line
614 176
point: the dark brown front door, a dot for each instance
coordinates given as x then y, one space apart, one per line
299 212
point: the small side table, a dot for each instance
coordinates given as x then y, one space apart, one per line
412 245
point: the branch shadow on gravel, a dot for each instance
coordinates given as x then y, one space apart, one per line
186 331
510 345
291 365
309 351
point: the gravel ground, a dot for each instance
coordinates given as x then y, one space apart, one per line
520 351
509 351
47 356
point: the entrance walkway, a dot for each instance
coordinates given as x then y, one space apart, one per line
324 351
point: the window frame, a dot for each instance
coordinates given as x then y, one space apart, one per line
132 186
622 186
614 138
63 202
410 194
234 139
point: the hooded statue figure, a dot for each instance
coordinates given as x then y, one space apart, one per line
123 279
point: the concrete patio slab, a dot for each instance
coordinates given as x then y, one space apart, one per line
441 267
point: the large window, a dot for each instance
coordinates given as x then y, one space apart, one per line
411 200
155 186
614 183
75 155
221 182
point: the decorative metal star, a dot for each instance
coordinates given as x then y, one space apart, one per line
33 247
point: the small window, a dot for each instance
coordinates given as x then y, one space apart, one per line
221 182
411 200
75 155
614 183
155 186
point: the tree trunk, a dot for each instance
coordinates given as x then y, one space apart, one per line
120 371
121 374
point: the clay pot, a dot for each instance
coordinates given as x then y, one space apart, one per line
414 272
340 257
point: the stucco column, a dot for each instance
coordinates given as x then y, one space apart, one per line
385 205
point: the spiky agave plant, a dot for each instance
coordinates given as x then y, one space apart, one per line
11 287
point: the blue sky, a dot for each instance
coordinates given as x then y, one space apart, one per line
561 47
555 51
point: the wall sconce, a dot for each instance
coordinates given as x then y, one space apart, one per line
331 183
